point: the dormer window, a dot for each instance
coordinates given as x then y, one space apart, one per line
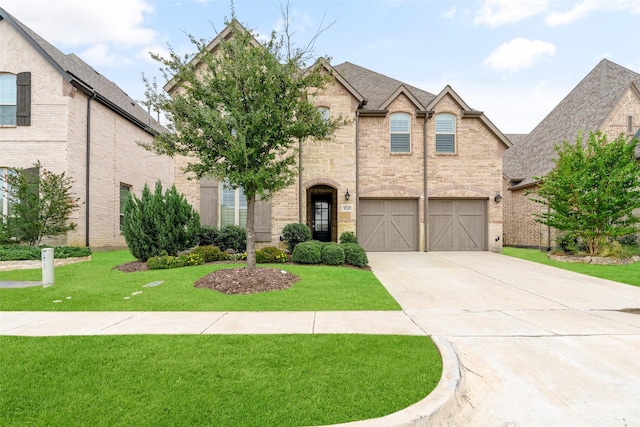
400 133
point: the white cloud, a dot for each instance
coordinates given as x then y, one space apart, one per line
585 7
82 22
498 12
99 55
144 54
518 54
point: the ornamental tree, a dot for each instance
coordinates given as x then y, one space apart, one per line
238 111
40 204
593 189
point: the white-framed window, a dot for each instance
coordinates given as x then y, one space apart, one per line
125 190
4 191
445 133
324 112
400 132
8 99
233 206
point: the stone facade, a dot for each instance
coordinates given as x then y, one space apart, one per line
57 137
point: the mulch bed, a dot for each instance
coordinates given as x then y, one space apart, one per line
234 281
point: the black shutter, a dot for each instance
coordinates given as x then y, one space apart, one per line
23 110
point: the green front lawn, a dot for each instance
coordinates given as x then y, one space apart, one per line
96 286
198 380
629 274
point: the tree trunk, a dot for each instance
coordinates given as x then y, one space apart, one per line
251 236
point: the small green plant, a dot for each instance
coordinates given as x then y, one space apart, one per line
207 235
270 255
348 237
22 252
194 258
164 262
355 255
232 237
332 254
211 253
306 253
295 233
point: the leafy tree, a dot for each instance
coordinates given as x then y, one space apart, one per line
593 189
157 223
40 204
239 112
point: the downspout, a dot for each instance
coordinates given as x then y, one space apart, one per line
88 169
357 169
426 199
300 182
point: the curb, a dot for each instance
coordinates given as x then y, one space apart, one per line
434 409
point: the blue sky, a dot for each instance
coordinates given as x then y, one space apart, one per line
513 59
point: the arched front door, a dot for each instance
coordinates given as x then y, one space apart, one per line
321 222
322 213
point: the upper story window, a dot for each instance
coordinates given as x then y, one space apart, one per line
324 112
15 99
400 132
445 133
8 99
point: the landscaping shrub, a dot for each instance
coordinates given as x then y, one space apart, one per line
332 254
207 235
269 255
295 233
306 253
354 254
159 222
20 252
348 237
629 240
210 253
232 237
163 262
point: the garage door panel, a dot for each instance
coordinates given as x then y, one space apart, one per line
457 225
388 225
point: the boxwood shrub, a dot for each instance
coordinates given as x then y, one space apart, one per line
307 253
332 254
270 255
348 237
354 254
210 253
295 233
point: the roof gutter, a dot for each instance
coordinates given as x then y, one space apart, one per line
372 113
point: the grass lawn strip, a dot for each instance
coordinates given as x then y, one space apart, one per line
239 380
95 286
629 274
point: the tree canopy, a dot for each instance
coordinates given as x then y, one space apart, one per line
238 110
593 189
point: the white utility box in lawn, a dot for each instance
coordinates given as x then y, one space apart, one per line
47 267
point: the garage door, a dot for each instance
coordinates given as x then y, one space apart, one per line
457 225
388 225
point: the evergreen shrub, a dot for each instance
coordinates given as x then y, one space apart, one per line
231 237
348 237
332 254
354 254
270 255
306 253
295 233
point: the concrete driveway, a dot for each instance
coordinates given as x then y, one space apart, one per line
537 346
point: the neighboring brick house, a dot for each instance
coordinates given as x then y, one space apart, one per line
606 100
373 176
57 109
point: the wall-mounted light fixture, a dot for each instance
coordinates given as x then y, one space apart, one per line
498 197
347 196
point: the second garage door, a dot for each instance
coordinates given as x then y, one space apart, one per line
457 225
388 225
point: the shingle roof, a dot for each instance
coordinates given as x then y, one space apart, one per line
584 109
82 75
377 88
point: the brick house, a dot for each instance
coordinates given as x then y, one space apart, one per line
608 100
57 109
413 171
